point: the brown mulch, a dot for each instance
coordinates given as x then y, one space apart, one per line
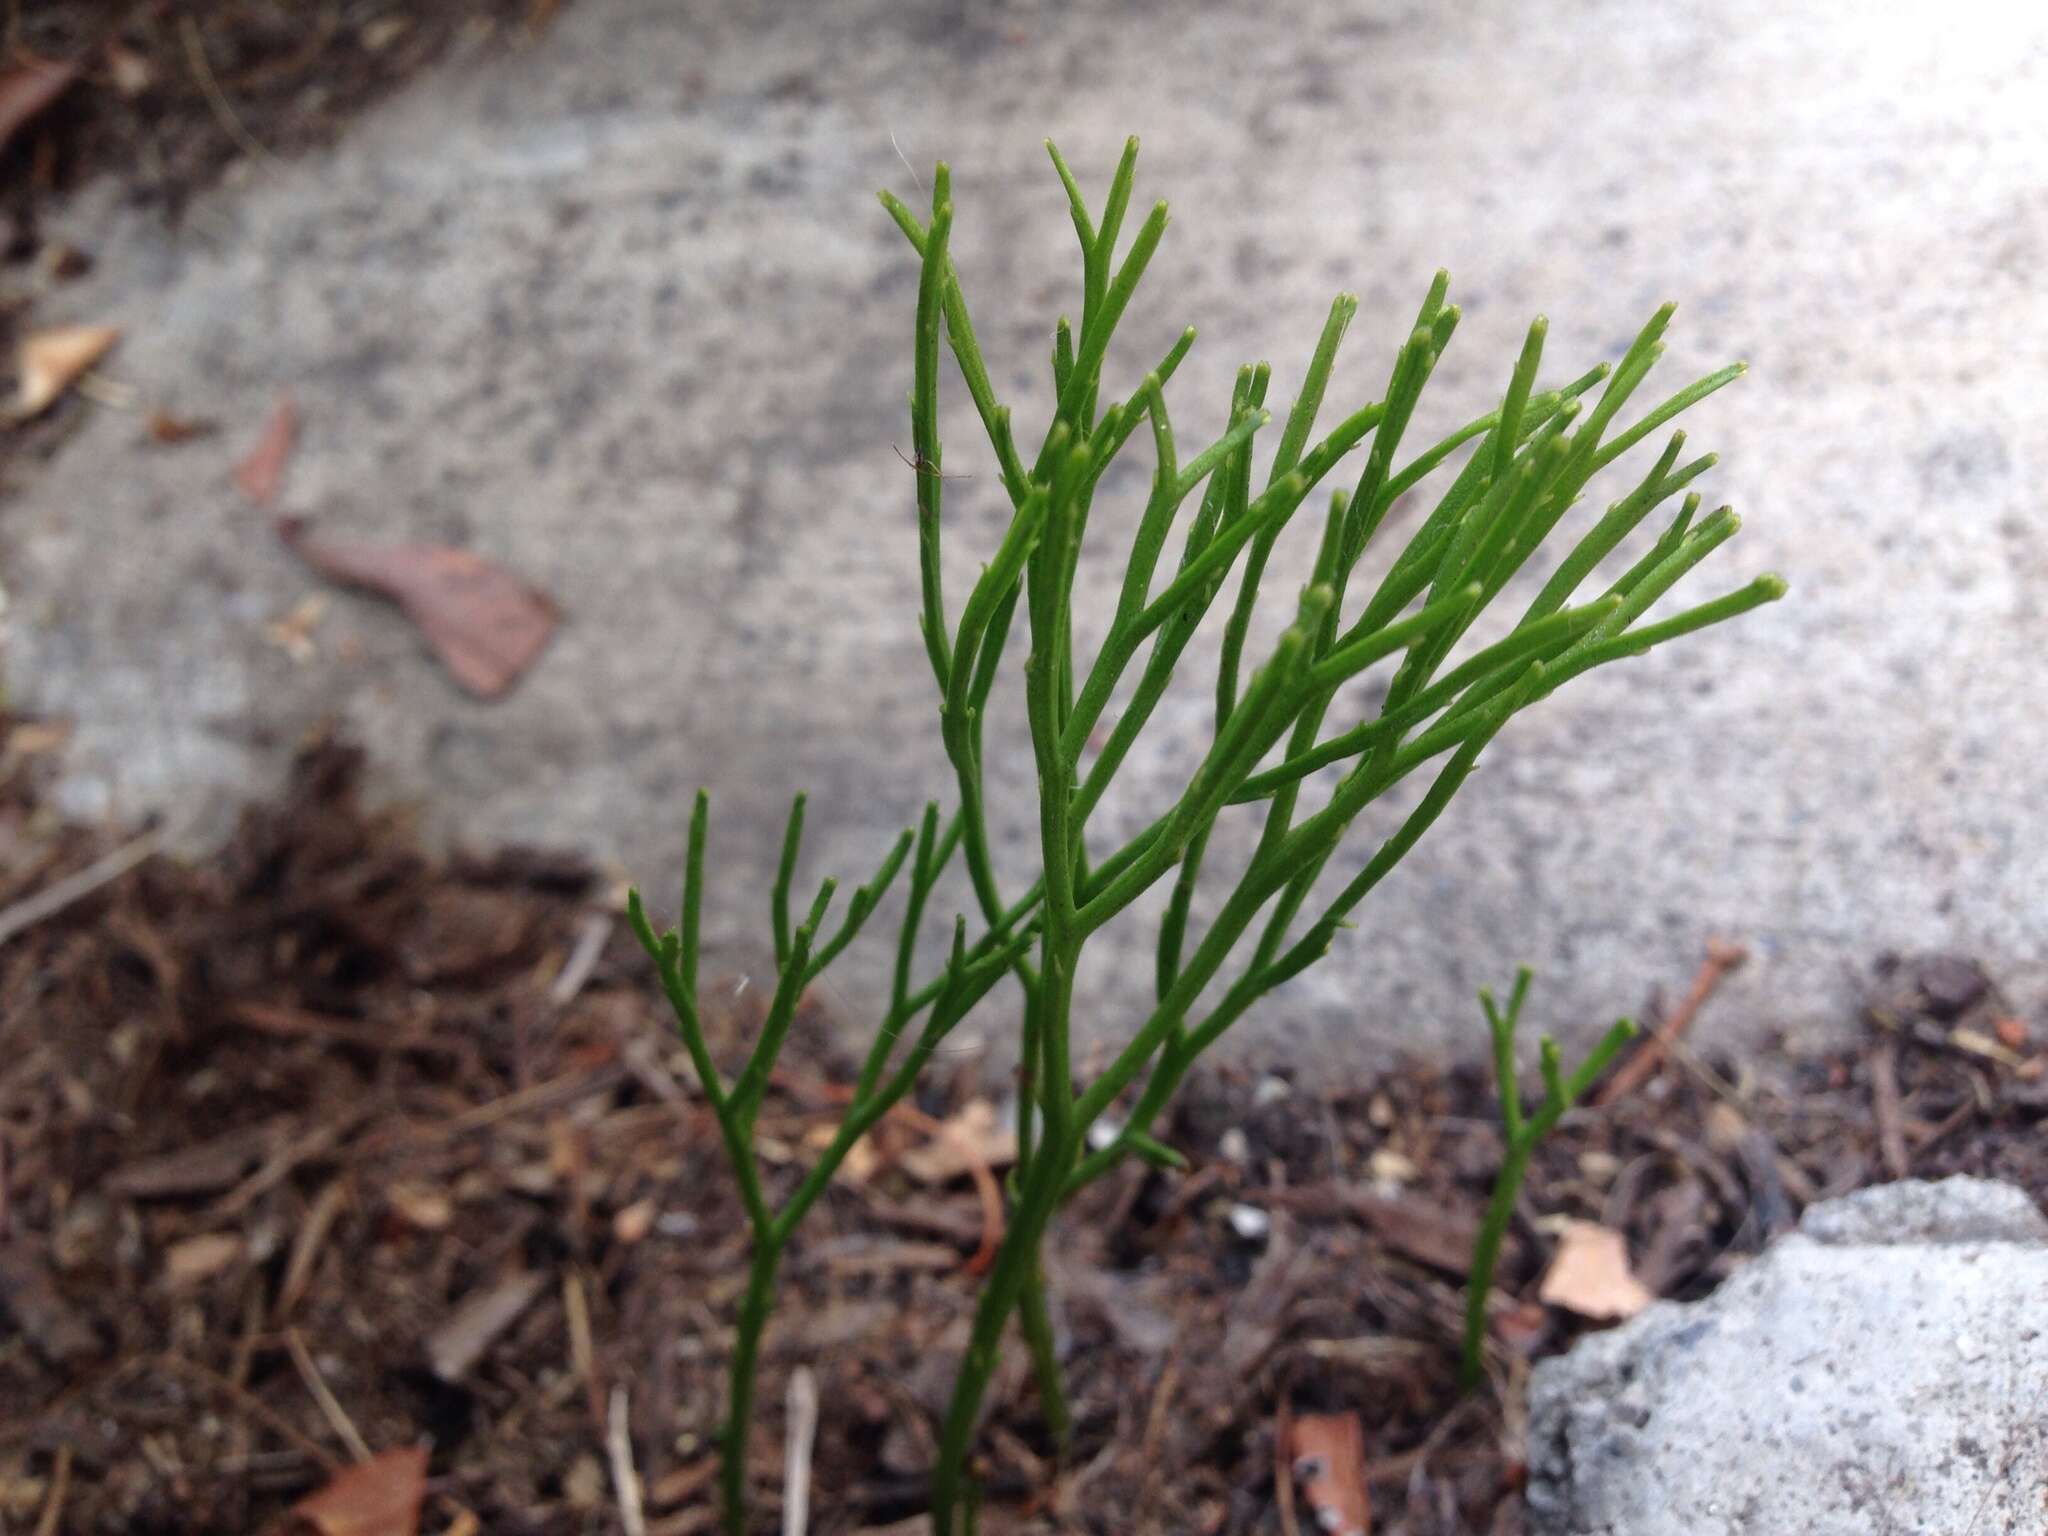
323 1148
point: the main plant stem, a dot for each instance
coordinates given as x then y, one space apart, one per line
1486 1254
746 1354
1016 1264
1038 1331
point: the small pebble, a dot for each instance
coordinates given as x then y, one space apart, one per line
1234 1146
1250 1223
1599 1167
1390 1168
1271 1090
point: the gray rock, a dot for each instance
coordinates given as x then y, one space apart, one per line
619 310
1884 1370
1958 1210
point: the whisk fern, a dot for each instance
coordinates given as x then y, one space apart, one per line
1525 466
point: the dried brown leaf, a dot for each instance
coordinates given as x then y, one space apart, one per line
486 625
378 1497
51 361
26 90
1328 1454
972 1137
260 476
1590 1275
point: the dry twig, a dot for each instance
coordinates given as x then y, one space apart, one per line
1885 1108
1638 1069
618 1442
801 1435
52 899
60 1489
330 1406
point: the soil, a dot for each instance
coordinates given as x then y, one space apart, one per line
324 1148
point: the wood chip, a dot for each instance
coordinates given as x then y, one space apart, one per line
1421 1229
202 1170
1590 1275
425 1206
198 1259
462 1340
378 1497
632 1223
1976 1043
169 430
29 1295
1328 1456
260 476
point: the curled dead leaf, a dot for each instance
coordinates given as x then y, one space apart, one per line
1590 1275
486 625
50 362
378 1497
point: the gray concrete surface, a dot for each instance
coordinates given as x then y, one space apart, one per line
621 311
1880 1371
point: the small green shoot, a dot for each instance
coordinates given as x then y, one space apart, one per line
1522 1133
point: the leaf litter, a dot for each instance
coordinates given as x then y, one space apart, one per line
53 361
486 625
323 1076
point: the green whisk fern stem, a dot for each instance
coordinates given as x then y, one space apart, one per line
1304 752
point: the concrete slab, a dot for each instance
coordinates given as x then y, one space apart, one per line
622 313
